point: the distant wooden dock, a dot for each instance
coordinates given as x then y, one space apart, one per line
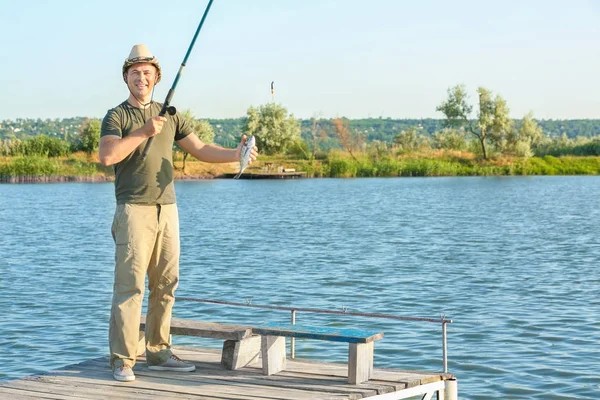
302 379
268 175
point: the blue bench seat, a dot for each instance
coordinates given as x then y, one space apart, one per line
360 346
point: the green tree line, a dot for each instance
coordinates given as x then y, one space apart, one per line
481 126
475 138
227 131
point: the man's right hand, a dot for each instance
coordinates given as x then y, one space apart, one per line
153 126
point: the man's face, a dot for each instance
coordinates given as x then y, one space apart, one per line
141 78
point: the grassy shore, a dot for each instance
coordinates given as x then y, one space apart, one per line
448 164
83 167
80 167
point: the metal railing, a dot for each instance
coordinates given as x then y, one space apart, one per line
442 320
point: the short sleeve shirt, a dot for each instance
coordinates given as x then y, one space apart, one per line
148 181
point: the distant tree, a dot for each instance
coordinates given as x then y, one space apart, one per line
492 123
317 133
308 144
450 139
530 136
300 149
89 136
202 128
378 149
40 145
5 147
350 140
409 139
274 130
500 125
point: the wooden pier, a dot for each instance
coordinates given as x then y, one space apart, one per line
301 379
267 175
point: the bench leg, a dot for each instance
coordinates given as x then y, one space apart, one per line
273 354
239 353
360 362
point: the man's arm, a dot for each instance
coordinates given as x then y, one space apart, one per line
113 149
208 152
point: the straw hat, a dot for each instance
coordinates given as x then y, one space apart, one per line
141 54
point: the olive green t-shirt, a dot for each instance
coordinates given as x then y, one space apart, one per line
149 181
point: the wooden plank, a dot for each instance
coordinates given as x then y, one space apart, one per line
444 375
382 381
250 381
306 374
366 387
242 387
56 388
205 329
310 384
252 376
397 379
98 376
26 394
302 379
165 385
214 383
319 333
211 385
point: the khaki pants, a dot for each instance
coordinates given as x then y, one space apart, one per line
147 243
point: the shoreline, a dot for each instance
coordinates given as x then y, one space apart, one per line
107 179
89 179
35 170
55 179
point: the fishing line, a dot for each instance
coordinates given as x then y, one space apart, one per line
166 106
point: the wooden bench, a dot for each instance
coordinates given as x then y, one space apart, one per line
360 348
240 346
243 344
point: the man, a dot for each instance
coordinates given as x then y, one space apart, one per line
146 223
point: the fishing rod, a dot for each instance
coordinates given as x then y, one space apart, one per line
167 108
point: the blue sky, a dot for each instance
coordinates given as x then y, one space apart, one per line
388 58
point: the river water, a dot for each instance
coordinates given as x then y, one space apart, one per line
513 261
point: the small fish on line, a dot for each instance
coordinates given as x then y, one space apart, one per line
245 153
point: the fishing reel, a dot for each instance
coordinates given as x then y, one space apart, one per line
171 110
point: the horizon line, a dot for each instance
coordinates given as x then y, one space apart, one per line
301 118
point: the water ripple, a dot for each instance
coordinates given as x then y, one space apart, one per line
513 261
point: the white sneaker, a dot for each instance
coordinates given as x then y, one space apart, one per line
175 364
124 374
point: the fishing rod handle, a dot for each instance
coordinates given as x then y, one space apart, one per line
162 113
